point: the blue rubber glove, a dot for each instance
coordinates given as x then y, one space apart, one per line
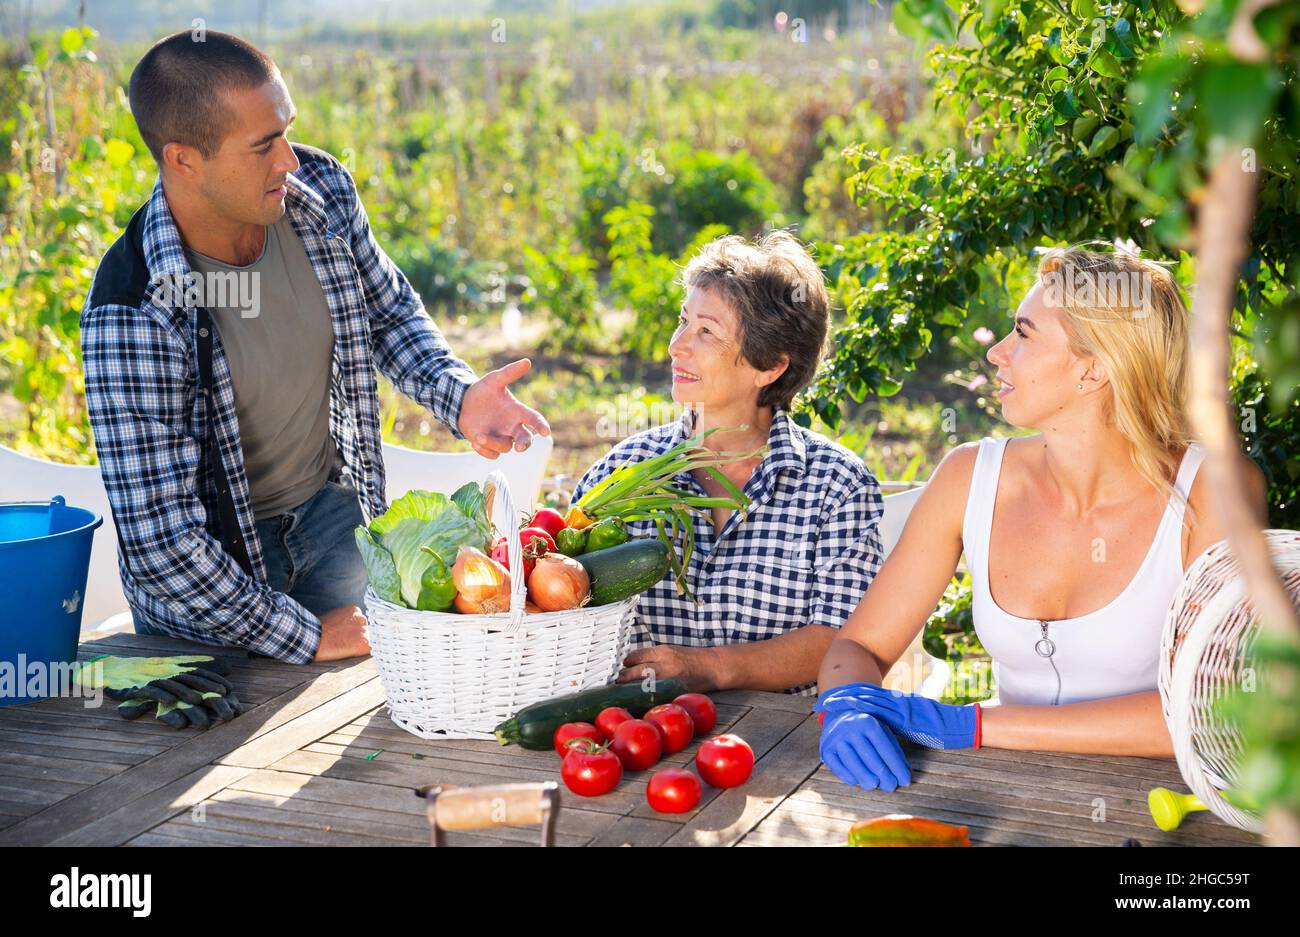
922 720
861 751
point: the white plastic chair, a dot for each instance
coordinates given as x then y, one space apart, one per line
446 471
23 478
897 508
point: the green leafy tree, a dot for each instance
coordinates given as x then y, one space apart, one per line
1118 120
1085 121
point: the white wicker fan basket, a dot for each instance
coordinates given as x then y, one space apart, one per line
448 675
1205 653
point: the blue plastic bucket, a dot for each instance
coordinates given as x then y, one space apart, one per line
44 561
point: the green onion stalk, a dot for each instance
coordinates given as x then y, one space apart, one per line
645 491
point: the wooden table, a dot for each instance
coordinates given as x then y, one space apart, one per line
317 761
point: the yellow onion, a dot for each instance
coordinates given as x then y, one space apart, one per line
482 584
559 582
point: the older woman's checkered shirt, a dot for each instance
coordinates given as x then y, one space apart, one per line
804 553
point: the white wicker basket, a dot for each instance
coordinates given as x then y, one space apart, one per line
448 675
1205 653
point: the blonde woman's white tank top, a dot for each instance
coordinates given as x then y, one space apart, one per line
1110 652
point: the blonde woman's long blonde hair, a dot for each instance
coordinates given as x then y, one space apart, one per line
1128 313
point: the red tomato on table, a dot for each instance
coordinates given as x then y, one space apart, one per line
673 790
592 772
676 725
610 718
638 744
575 730
726 761
701 709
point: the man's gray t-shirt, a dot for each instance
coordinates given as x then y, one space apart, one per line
275 326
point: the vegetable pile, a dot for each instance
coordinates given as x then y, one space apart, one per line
434 553
599 734
645 491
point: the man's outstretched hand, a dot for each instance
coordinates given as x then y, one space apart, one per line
493 420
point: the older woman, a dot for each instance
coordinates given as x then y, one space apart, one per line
1076 538
772 586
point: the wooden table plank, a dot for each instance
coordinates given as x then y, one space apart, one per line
181 795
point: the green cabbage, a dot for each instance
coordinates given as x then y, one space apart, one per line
409 549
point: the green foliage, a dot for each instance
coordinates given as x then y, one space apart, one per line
68 184
604 181
462 160
950 630
445 276
1085 122
647 282
1269 437
1269 721
562 282
702 188
949 636
687 188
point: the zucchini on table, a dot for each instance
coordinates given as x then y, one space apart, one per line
534 726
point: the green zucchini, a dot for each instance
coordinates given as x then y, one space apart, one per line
534 726
622 571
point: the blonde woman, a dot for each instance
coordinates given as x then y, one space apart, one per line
1076 538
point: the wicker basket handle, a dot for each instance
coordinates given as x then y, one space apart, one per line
497 483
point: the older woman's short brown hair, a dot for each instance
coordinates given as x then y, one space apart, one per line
780 298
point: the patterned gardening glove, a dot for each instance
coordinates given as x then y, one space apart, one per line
182 691
924 721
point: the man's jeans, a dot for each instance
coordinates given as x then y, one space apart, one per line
311 552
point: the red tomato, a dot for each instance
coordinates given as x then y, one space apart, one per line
502 556
701 709
575 730
591 773
675 724
610 718
726 761
534 542
673 790
548 520
637 744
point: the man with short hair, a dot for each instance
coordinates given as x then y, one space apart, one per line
230 341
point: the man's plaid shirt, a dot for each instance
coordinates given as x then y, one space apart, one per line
150 420
804 553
